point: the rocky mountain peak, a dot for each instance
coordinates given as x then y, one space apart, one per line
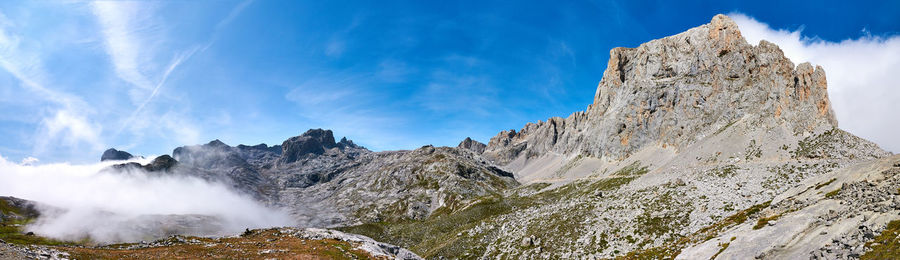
161 163
216 143
346 143
472 145
113 154
312 142
677 90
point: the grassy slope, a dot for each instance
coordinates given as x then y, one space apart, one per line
440 234
886 245
12 229
672 249
260 244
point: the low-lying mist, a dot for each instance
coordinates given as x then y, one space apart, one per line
106 206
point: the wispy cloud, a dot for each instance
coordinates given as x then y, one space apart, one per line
65 124
451 92
127 28
336 46
861 75
122 22
234 13
75 129
394 71
175 62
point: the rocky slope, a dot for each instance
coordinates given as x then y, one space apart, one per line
832 216
691 137
324 183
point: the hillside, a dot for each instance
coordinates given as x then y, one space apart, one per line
690 137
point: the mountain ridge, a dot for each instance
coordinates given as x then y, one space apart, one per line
674 91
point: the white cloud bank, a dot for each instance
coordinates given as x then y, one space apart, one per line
862 76
130 206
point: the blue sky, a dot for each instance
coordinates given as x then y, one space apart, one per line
78 77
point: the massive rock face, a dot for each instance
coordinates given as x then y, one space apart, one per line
677 90
313 142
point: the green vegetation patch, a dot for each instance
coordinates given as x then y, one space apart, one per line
438 233
826 183
832 194
8 209
255 244
670 250
763 221
886 245
724 171
12 230
819 146
662 215
722 249
633 169
446 233
753 151
724 127
569 165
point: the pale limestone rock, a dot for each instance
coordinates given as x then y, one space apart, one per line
669 92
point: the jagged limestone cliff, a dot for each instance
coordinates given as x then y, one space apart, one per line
675 91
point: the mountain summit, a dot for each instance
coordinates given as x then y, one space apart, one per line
674 91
